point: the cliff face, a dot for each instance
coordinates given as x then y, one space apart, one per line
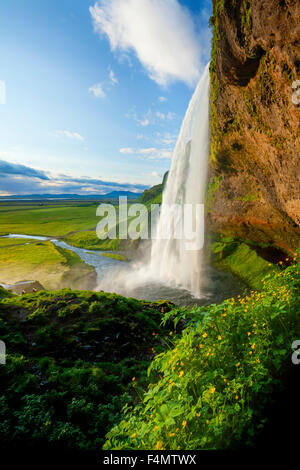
254 186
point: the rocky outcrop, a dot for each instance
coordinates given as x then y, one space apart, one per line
254 186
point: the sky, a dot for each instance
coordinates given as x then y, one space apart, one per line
93 93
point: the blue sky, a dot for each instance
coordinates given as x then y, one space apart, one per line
95 91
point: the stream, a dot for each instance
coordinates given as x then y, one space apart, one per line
220 285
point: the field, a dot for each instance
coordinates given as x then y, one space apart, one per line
50 219
52 266
74 221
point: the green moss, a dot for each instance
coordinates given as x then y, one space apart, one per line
72 357
216 86
286 70
213 186
249 198
247 265
278 142
246 17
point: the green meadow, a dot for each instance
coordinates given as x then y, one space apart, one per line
73 221
52 266
50 219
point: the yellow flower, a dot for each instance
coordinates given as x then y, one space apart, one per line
253 346
172 434
212 390
181 373
133 379
155 428
170 333
159 445
198 414
219 338
204 335
201 346
184 423
236 397
133 435
250 352
257 360
238 364
249 333
207 421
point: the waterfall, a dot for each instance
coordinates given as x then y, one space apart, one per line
170 261
171 265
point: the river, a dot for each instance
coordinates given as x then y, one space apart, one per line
220 285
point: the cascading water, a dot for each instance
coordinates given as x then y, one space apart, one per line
170 260
172 269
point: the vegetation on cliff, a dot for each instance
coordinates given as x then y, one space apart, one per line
210 390
253 190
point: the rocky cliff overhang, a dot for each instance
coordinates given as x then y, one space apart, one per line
254 175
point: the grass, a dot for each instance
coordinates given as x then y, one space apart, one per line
71 358
48 220
6 242
244 262
116 256
90 241
52 266
76 223
210 388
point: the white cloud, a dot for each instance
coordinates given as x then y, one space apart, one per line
144 122
160 115
166 138
71 135
171 116
127 150
151 153
97 90
150 117
112 77
160 32
164 116
162 99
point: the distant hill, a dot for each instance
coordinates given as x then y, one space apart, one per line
111 195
